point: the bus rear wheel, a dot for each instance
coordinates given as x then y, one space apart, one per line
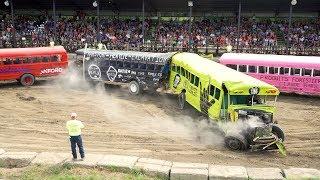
182 100
27 80
134 88
236 142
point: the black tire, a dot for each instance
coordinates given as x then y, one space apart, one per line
134 88
277 130
236 142
182 100
27 80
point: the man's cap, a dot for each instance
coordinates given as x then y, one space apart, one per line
73 114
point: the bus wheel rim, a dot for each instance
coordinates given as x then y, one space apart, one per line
234 144
28 80
133 88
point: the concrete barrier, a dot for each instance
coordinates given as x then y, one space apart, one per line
301 173
49 158
123 162
16 159
217 172
154 167
89 161
190 171
265 173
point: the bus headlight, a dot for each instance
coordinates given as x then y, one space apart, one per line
254 90
267 118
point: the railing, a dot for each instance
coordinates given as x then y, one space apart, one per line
216 50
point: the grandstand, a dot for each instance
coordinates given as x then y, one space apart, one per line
153 25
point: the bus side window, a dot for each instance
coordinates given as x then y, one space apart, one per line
295 71
158 68
113 63
178 70
252 69
192 79
7 62
183 72
127 65
17 61
316 73
306 72
120 64
150 67
35 59
211 91
45 59
196 82
134 65
243 68
284 70
54 58
232 66
262 69
187 74
173 68
26 60
273 70
217 94
142 66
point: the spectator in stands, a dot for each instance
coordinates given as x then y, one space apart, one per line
73 33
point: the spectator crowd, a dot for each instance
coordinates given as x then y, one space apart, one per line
73 32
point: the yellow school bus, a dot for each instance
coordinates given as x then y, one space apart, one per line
224 94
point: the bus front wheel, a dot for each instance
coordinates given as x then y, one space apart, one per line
277 130
27 80
182 100
236 142
134 88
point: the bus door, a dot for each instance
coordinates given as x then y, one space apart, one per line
210 103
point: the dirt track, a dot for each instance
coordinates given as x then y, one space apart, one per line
150 126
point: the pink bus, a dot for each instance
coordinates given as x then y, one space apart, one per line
290 74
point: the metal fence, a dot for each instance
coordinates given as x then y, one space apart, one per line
216 50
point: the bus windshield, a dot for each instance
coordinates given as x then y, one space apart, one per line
251 100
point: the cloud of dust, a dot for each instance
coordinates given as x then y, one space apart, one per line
241 125
138 114
72 78
141 115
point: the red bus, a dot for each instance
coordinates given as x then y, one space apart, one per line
25 64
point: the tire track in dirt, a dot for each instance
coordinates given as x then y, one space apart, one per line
121 124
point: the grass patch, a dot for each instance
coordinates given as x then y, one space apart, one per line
71 172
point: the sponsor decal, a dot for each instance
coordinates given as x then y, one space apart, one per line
94 72
51 70
112 73
176 81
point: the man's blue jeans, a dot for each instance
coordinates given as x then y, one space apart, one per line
76 141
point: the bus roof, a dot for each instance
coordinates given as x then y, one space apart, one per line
36 51
232 79
157 58
312 62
